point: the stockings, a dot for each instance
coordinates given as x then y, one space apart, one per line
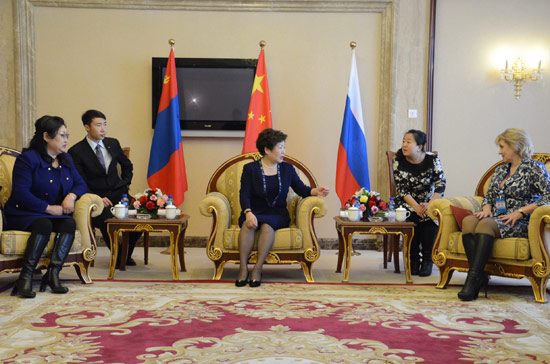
247 235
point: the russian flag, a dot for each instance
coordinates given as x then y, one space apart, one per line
352 168
166 163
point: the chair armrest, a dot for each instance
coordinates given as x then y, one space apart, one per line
87 206
216 205
440 211
539 235
307 209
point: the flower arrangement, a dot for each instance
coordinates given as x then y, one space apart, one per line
148 202
369 201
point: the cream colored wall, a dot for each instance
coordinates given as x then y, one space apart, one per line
472 104
96 58
7 100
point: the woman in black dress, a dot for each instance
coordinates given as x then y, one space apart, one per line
419 179
264 188
517 188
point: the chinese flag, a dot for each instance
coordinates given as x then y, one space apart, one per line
259 111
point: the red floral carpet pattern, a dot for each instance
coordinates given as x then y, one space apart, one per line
207 322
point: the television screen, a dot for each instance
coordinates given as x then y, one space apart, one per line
214 93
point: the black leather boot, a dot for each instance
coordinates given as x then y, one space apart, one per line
477 278
63 243
415 266
468 241
427 263
35 247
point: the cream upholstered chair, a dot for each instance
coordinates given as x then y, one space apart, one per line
296 244
511 257
14 242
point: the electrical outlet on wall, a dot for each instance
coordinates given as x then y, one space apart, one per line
413 113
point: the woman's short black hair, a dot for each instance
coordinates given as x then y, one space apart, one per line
46 124
419 137
269 138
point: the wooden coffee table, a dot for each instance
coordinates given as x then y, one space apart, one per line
346 229
176 228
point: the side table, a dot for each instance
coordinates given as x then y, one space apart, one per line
176 228
346 229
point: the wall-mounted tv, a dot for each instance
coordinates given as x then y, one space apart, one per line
214 93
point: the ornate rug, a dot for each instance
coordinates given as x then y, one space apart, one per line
215 322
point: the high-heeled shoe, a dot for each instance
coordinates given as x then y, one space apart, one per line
242 283
254 283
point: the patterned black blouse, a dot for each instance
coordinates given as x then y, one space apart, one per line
529 184
420 180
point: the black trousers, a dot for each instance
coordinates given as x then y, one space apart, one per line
424 238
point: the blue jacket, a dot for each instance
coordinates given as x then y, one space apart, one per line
35 185
252 190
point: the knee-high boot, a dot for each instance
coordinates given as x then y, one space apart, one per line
476 278
468 241
63 243
33 252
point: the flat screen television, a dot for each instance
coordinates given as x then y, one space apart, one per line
214 93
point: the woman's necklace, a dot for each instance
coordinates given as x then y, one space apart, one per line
265 184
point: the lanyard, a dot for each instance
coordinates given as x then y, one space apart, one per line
265 185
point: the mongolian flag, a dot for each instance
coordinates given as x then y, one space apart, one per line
166 163
259 111
352 168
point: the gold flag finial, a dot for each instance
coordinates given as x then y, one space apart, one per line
262 44
353 44
171 42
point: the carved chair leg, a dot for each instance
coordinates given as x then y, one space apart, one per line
539 288
445 275
307 267
218 269
82 270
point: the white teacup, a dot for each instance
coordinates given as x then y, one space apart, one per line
171 212
119 211
354 214
401 214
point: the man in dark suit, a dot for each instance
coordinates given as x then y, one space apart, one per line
97 159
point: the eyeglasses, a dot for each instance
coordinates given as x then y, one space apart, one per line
64 135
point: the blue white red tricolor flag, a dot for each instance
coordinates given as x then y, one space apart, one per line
166 163
352 168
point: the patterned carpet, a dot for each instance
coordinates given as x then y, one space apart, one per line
207 322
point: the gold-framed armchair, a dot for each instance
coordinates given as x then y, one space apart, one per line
295 244
511 257
14 242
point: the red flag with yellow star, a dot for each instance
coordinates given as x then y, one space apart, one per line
259 111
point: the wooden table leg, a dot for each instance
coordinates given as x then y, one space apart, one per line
407 238
385 249
341 250
181 250
113 236
146 247
347 254
395 243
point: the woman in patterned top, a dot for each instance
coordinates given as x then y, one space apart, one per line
517 188
419 179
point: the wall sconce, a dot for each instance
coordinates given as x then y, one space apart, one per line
518 73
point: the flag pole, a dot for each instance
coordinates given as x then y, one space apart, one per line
262 44
171 42
352 45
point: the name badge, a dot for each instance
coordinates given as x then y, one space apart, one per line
500 205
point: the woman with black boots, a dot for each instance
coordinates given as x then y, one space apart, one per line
45 188
517 188
419 179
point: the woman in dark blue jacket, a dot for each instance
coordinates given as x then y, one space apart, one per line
264 188
45 188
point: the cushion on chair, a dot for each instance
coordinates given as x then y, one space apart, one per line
509 248
285 239
459 214
14 242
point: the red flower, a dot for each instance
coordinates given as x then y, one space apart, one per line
142 199
372 202
150 205
383 205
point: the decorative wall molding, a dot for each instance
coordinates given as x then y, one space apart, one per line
25 49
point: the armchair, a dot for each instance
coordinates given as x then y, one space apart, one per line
511 257
295 244
13 242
